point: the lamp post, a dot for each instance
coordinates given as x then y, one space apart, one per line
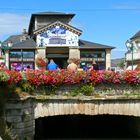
130 46
4 47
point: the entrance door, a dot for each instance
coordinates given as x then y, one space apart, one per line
61 62
59 55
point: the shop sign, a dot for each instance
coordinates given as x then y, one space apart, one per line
28 59
15 59
91 59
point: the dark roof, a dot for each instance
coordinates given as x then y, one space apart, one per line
27 44
13 38
71 15
136 35
17 43
53 13
58 23
91 45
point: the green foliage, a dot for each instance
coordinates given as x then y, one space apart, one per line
87 89
27 87
4 77
121 64
50 89
6 133
74 92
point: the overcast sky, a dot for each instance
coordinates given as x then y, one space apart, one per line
108 22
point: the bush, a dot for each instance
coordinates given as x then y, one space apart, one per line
87 89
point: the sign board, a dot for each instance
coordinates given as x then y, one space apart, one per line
57 36
19 59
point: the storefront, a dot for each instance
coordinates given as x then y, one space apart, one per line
51 36
20 59
88 56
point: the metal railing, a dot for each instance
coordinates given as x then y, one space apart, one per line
136 56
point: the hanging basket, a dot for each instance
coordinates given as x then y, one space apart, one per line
41 62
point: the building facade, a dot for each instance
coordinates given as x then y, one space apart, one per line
51 36
133 57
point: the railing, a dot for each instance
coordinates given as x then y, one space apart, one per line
136 56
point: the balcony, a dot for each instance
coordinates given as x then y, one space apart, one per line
136 56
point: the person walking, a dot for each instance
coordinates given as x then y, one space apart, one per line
52 65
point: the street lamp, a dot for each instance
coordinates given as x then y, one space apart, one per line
4 47
130 46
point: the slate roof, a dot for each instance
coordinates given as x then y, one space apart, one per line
13 38
91 45
136 35
31 44
57 23
17 43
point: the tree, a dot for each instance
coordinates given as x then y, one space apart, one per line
121 64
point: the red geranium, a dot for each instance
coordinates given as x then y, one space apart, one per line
40 62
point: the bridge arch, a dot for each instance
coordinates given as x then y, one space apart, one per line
87 107
23 113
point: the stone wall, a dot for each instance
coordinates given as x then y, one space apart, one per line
20 118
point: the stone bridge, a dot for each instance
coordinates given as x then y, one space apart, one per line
21 114
87 107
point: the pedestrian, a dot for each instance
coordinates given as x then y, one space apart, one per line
52 65
86 67
28 67
72 66
94 66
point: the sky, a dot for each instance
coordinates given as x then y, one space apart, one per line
108 22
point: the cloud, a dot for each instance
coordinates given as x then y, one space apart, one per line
11 24
119 50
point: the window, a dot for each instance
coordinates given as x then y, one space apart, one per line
88 56
20 59
28 54
21 66
15 54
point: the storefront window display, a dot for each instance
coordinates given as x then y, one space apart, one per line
28 54
87 58
15 54
21 66
20 59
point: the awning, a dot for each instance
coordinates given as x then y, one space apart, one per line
130 67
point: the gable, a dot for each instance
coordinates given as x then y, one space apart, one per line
57 35
58 23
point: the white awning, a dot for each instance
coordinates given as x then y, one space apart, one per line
130 67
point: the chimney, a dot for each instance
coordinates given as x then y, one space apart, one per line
24 35
24 31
